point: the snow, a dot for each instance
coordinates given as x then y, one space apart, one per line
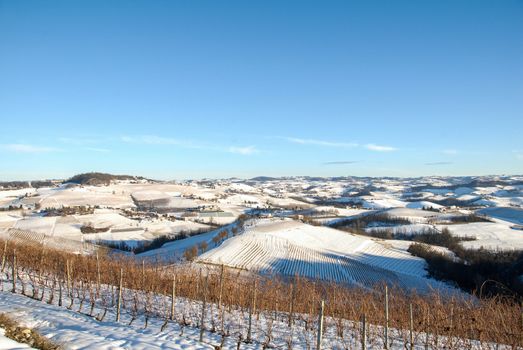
402 229
9 344
13 194
163 199
77 331
287 202
404 246
105 220
514 215
242 188
173 251
149 195
8 220
275 246
441 191
343 214
413 215
460 191
38 224
382 203
163 227
241 199
485 202
268 246
514 201
130 238
489 235
74 330
423 204
233 197
106 196
120 229
341 211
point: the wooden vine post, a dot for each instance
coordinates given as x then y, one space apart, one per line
411 327
363 333
98 279
14 271
222 273
320 325
173 297
119 301
4 256
204 306
386 318
252 310
291 305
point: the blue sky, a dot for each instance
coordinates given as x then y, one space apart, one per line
195 89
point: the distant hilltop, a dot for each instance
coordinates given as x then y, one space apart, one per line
92 178
95 178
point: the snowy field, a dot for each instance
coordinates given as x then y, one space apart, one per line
72 327
489 235
276 247
289 248
72 330
514 215
275 240
8 344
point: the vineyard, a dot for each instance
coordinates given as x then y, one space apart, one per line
22 236
287 248
225 309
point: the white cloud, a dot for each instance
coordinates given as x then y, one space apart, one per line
27 148
244 150
450 152
151 140
325 143
321 142
378 148
439 163
341 162
94 149
159 140
78 141
519 154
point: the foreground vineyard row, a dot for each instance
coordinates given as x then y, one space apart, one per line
254 313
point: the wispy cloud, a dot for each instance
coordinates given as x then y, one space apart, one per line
341 162
151 140
95 149
160 140
321 142
79 141
328 143
380 148
439 163
28 148
519 154
450 152
248 150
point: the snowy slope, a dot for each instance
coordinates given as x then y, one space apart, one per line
489 235
77 331
8 344
514 215
423 204
288 248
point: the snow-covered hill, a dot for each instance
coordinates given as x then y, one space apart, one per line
289 248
